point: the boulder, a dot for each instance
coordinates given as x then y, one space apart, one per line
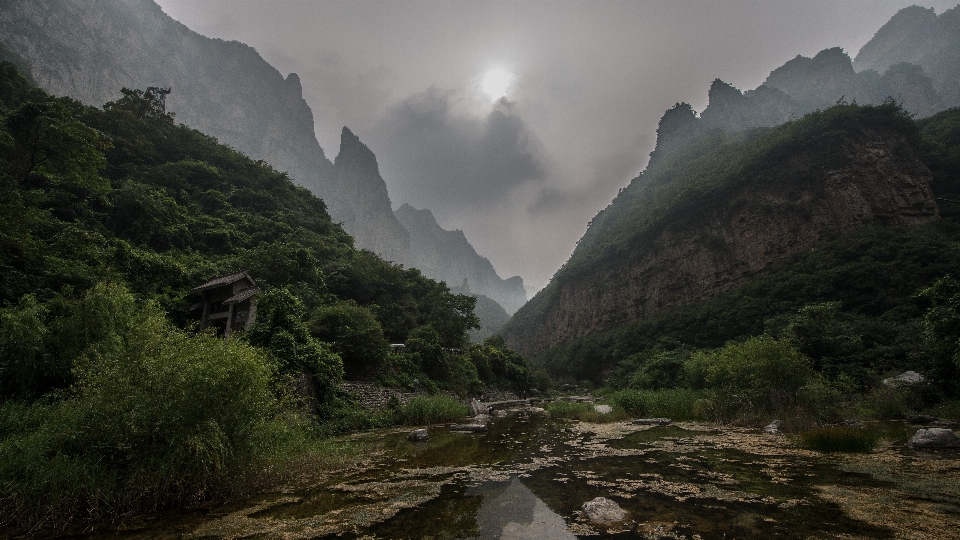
603 510
652 421
934 438
603 409
418 435
477 408
904 379
774 428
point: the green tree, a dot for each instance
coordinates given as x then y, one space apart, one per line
355 334
281 329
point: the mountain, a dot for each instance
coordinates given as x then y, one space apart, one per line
364 207
448 256
919 36
721 208
90 50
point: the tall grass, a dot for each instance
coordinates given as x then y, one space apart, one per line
674 403
423 410
839 439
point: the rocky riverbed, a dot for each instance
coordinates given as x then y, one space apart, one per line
528 477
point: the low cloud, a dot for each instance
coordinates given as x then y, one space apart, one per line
435 152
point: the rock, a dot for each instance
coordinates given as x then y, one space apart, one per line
904 379
477 408
418 435
469 428
603 510
481 419
934 438
603 409
920 419
653 421
774 428
944 424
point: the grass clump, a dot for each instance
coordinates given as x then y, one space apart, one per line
423 410
673 403
839 439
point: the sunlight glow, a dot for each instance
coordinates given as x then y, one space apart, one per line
497 82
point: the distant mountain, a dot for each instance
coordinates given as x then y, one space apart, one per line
89 50
448 256
364 207
918 36
914 59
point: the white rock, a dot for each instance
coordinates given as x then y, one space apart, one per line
603 510
773 428
652 421
934 438
603 409
905 378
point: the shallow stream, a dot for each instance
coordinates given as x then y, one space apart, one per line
528 477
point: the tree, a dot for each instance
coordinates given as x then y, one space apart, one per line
355 334
47 140
149 104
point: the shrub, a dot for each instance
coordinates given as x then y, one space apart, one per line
423 410
760 373
839 439
156 417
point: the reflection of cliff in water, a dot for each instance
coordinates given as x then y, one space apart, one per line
513 512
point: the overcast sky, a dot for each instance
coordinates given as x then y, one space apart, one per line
522 175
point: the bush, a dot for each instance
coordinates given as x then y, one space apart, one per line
839 439
423 410
156 417
760 373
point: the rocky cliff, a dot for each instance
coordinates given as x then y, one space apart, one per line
448 256
364 206
758 208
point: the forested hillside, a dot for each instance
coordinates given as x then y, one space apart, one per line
110 401
857 280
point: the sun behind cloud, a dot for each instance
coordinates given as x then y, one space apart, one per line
497 83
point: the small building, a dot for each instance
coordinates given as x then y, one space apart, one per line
228 303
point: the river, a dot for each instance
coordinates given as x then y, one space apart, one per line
528 477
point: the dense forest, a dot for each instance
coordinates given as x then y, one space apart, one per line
111 399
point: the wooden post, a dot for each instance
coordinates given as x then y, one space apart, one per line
226 333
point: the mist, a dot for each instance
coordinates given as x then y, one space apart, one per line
523 173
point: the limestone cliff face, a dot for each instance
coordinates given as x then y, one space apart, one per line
880 181
448 256
365 207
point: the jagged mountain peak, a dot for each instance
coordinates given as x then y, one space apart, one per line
907 25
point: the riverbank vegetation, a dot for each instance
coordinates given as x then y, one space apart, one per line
111 402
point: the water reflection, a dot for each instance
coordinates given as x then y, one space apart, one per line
513 512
